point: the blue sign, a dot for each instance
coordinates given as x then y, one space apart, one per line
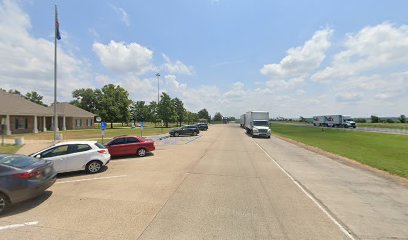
142 125
103 125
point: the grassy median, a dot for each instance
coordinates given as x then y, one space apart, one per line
383 151
9 148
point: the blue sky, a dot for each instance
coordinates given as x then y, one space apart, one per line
292 58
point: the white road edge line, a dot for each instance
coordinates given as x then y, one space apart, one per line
344 230
90 179
17 225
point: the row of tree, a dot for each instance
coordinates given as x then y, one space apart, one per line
112 104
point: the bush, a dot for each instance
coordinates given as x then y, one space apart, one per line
389 120
361 120
375 119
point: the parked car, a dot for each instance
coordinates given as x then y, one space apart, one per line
202 126
76 155
184 130
130 145
22 178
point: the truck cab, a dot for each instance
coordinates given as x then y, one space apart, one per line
261 128
349 123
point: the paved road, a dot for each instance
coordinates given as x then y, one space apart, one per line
223 185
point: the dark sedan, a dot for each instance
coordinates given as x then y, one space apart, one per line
202 126
23 178
184 130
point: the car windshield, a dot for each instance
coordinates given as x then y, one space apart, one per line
261 123
17 161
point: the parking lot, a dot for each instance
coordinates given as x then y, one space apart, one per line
114 204
221 184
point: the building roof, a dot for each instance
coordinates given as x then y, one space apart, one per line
68 110
14 104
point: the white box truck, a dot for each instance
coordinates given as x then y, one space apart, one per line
334 121
257 123
242 120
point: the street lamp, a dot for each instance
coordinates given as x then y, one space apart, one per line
158 87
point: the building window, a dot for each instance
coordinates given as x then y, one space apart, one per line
78 122
21 123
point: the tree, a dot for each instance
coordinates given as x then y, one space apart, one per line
14 91
87 99
151 112
166 109
203 114
139 111
191 117
217 117
402 119
180 110
375 119
35 97
113 104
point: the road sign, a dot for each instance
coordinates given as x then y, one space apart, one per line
103 132
142 125
103 125
98 119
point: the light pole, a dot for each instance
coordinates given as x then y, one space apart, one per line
158 87
158 96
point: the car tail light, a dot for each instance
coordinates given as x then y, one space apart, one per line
27 175
103 151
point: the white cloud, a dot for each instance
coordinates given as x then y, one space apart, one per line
374 48
27 63
171 80
124 17
125 58
285 84
176 67
237 93
301 60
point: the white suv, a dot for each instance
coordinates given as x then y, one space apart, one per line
76 155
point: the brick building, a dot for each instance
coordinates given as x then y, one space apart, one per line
23 116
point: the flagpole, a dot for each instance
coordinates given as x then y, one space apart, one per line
55 76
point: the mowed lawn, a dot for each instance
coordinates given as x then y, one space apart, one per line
9 148
93 133
384 125
387 152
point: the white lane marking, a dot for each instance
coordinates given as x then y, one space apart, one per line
17 225
344 230
91 179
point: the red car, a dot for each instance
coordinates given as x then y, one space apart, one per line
129 145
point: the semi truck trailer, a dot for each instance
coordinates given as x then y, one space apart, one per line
242 120
257 123
334 121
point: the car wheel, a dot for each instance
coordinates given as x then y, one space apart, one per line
141 152
176 134
93 167
4 203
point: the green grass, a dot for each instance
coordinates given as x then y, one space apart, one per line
387 152
93 133
9 148
384 125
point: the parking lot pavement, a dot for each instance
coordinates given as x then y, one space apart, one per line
117 203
